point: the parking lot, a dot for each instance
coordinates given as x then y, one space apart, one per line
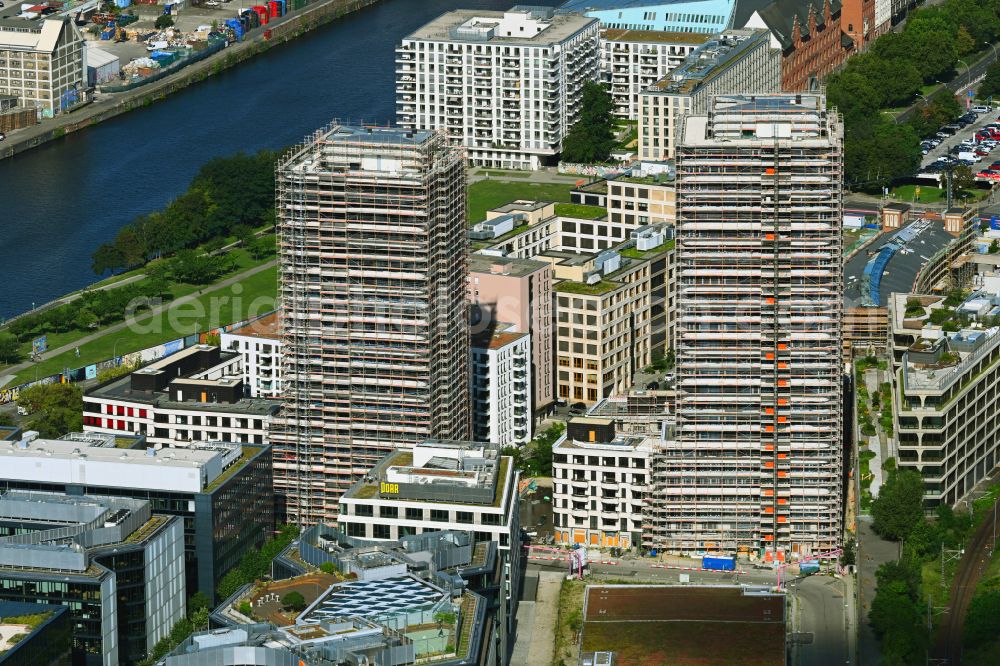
943 151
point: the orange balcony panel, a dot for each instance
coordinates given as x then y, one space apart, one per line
782 402
768 537
768 509
769 492
769 300
782 365
768 236
769 356
782 475
782 519
769 410
782 419
782 456
769 464
769 447
769 171
782 382
782 346
769 428
782 500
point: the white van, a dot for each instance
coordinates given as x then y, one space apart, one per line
981 108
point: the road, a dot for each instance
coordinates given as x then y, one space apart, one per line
822 608
959 83
872 552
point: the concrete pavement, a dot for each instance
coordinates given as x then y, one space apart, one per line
536 622
820 606
872 552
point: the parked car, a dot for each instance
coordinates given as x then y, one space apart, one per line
981 108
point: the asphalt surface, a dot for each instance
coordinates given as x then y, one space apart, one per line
968 133
872 552
960 82
820 621
902 268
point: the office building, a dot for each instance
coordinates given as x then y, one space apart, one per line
519 293
118 567
633 60
693 16
259 344
756 465
599 479
372 277
945 392
34 634
222 492
735 61
501 387
197 394
42 64
635 201
505 86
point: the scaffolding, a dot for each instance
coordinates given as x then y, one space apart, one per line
755 465
372 266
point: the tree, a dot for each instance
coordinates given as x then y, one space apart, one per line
591 138
963 178
850 552
54 409
899 505
982 621
9 348
163 21
198 601
293 601
990 86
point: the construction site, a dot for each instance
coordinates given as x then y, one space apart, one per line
372 252
755 466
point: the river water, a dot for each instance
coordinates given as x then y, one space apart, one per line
60 201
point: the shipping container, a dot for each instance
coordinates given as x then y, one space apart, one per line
718 563
272 9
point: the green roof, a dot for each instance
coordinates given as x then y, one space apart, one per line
633 253
596 289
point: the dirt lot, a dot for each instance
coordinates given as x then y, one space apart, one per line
266 602
645 604
688 643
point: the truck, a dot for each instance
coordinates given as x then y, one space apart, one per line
718 563
809 567
968 155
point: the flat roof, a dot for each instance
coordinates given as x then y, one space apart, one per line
374 598
496 340
268 326
560 27
656 36
482 263
197 456
709 60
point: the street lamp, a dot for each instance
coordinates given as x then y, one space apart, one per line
114 351
968 73
926 101
992 46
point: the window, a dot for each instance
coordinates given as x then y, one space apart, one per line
464 517
439 515
388 512
414 514
363 510
355 530
491 519
380 531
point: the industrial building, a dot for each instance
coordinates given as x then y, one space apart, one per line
735 61
505 86
633 60
42 63
194 395
372 256
118 567
518 292
501 387
945 392
756 464
222 491
599 478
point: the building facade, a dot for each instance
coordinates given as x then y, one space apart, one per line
501 388
118 567
694 16
518 292
736 61
259 344
757 462
599 482
195 395
47 641
505 86
42 64
222 492
372 256
633 60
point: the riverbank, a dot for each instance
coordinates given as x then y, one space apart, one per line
108 106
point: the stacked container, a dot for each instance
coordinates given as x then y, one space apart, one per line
263 13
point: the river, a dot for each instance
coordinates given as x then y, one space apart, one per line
60 201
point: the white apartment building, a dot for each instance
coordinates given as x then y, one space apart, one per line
196 395
505 86
438 485
733 62
945 390
599 482
501 387
43 64
259 343
633 60
757 462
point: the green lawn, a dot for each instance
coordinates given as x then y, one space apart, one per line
928 194
255 296
485 195
581 211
